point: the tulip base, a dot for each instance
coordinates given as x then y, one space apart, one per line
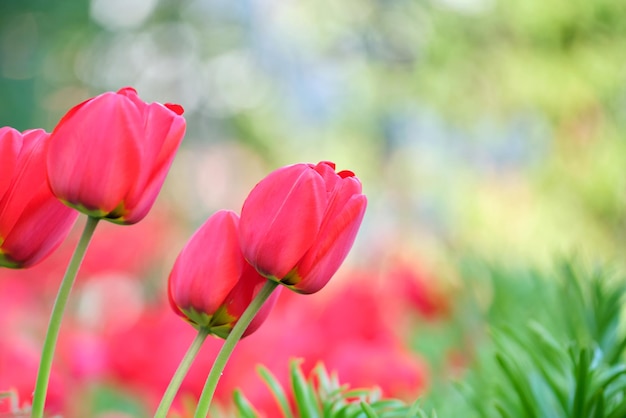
45 366
229 345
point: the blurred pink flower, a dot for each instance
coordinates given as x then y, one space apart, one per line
419 291
348 330
19 360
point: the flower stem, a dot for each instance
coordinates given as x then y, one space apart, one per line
47 354
229 345
181 372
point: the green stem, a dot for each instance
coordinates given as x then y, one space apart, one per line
181 372
47 354
229 345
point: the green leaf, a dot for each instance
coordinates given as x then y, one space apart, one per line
303 392
390 404
416 411
503 412
597 410
369 411
244 407
581 372
326 385
619 411
605 378
517 379
277 391
348 410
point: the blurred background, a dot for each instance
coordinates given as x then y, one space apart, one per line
481 130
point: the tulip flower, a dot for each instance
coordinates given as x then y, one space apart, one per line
211 284
108 156
213 287
33 222
299 223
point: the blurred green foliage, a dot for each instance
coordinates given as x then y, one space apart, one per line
32 36
494 126
549 344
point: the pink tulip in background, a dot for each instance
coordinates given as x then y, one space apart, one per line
108 156
299 223
211 283
32 220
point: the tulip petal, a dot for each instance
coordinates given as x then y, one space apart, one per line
10 145
327 171
94 152
336 237
31 240
281 217
28 174
32 221
209 266
164 131
247 288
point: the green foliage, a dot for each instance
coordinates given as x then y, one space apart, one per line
106 399
322 396
550 345
555 351
559 57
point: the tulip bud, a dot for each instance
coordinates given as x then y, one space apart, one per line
299 223
211 283
33 222
108 156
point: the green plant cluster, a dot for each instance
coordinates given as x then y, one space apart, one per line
552 345
322 395
549 345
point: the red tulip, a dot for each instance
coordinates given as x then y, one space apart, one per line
211 283
33 222
299 223
108 156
